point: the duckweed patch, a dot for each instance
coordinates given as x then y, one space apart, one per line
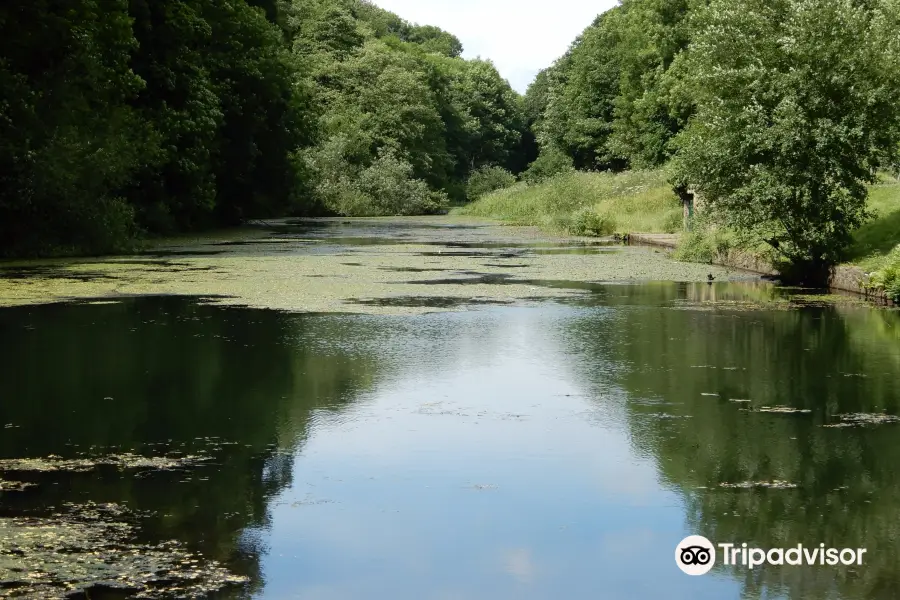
863 420
310 276
749 485
781 410
122 461
94 545
15 486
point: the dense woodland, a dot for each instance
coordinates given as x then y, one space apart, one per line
121 118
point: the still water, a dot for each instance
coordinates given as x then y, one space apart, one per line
535 452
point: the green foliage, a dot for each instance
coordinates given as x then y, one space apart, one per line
581 100
390 189
550 162
123 117
608 102
653 34
638 201
878 237
385 187
588 222
887 277
488 179
434 39
705 243
796 108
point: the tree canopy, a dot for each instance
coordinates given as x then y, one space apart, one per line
126 117
777 113
120 118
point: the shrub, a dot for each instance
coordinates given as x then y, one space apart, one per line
550 162
485 180
384 188
589 222
888 276
705 244
391 190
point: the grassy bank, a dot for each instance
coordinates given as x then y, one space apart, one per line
642 202
875 240
877 243
587 204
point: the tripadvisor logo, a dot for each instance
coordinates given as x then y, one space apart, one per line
696 555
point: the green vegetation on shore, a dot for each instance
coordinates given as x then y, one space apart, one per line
581 203
126 118
874 241
599 204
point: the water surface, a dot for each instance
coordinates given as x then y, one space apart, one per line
551 451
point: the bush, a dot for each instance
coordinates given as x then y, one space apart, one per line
391 190
706 243
550 162
485 180
589 222
344 185
384 188
888 276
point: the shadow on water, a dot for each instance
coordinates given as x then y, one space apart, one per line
157 375
412 269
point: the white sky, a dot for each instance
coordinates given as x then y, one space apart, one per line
521 37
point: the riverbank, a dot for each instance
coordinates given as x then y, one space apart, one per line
642 206
581 203
846 278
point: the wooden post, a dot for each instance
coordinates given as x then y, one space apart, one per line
687 205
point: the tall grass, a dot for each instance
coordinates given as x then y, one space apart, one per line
877 238
587 204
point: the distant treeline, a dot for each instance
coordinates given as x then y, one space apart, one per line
120 118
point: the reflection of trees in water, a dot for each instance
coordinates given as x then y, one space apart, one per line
829 360
146 371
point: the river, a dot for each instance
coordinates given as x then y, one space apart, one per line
436 409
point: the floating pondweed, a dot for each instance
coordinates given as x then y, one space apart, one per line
863 419
14 486
122 461
94 545
749 485
296 275
782 410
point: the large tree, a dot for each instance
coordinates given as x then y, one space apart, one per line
796 110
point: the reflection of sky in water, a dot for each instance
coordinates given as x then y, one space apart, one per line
483 480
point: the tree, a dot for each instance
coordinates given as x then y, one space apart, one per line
180 102
266 113
581 101
796 108
493 113
434 39
652 33
68 138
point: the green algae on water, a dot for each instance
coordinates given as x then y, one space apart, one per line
14 486
93 545
121 461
